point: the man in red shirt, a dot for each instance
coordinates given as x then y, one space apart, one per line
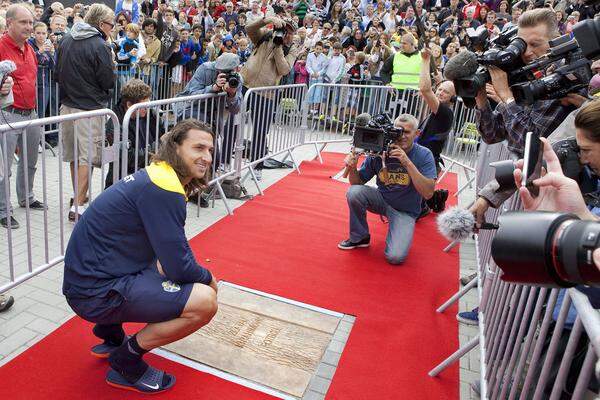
14 47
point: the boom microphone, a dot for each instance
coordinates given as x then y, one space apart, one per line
462 65
457 224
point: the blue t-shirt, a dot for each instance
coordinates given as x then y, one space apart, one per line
395 184
125 230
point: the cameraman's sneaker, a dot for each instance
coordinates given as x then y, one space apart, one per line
469 317
349 244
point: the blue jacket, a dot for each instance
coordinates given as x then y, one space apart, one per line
126 229
202 83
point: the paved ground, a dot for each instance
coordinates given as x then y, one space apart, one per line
40 308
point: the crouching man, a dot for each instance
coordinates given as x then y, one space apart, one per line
128 260
405 176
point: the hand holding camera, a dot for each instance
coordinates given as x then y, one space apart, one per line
396 152
556 191
220 82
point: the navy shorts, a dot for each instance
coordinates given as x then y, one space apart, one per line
147 297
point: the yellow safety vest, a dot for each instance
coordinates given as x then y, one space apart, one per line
406 71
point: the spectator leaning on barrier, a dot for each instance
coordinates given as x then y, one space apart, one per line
14 47
85 70
266 65
137 265
405 177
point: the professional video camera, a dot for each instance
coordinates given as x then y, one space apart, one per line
469 71
375 134
546 248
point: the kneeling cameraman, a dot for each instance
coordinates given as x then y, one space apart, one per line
405 176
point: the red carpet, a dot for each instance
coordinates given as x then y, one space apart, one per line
60 367
285 243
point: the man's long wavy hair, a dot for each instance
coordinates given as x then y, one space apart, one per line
167 152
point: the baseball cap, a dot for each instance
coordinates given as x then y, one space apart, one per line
227 62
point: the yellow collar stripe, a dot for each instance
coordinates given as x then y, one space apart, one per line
164 176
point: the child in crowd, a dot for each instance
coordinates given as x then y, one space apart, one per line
228 44
243 50
129 53
334 72
302 75
316 62
358 74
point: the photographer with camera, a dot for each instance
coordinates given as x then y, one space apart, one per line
218 76
405 175
510 120
272 57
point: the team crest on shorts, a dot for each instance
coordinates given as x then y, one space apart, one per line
171 287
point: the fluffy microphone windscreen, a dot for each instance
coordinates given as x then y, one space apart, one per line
456 223
462 65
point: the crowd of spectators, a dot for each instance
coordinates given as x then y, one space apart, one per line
187 33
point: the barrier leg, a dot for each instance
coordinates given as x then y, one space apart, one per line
253 175
222 193
458 295
319 152
469 184
455 356
446 170
296 166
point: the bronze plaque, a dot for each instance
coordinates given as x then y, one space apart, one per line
261 339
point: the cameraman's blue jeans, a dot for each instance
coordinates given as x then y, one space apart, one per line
363 198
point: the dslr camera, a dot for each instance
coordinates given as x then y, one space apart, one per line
233 79
375 135
546 249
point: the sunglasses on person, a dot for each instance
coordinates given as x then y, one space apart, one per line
109 23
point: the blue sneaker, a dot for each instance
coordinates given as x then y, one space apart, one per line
469 317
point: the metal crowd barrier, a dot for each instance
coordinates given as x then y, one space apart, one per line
462 146
535 342
272 125
331 109
145 123
40 244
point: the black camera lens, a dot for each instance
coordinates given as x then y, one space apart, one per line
233 82
546 248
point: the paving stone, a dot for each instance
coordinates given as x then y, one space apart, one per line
42 326
45 311
16 323
310 395
336 346
16 340
320 385
47 297
326 371
345 326
331 358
